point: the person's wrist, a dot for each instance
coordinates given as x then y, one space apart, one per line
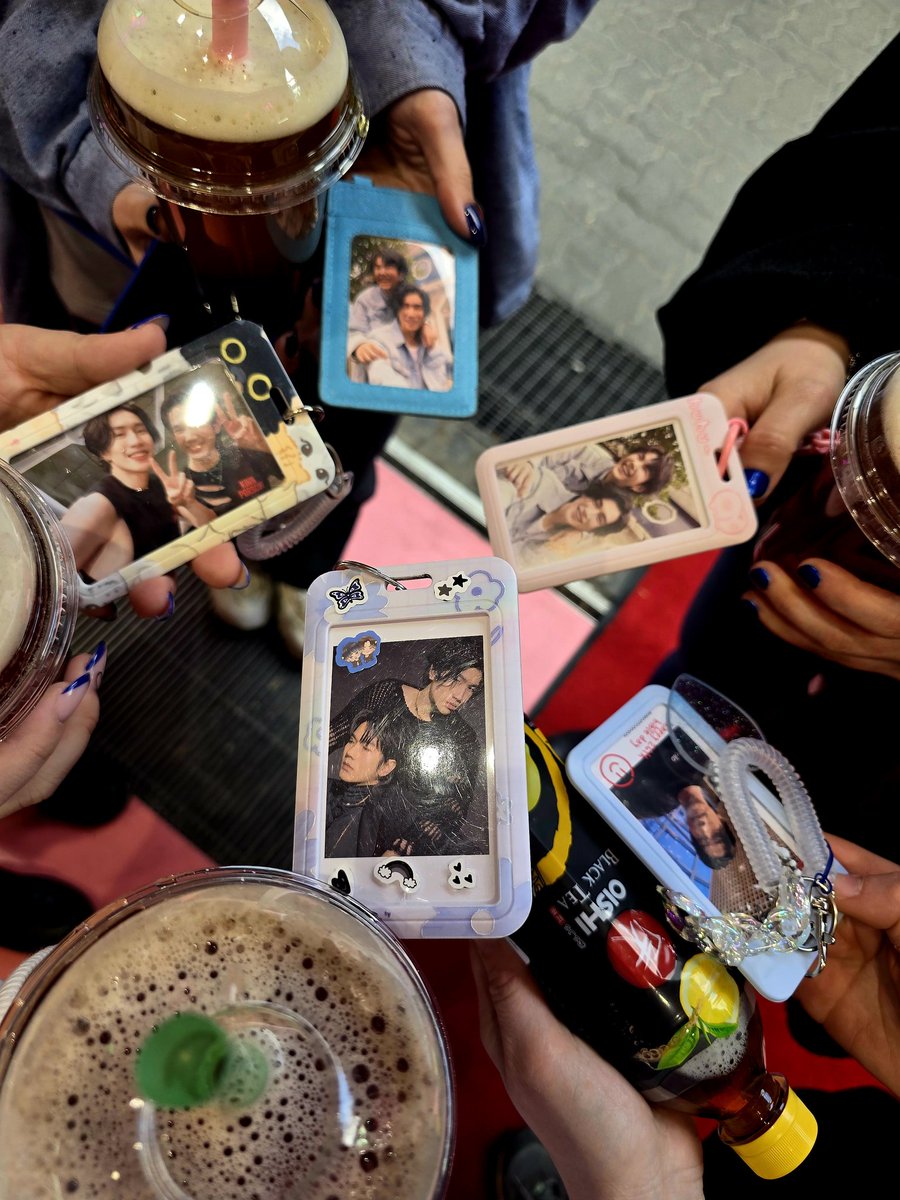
813 332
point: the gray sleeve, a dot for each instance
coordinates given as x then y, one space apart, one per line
46 141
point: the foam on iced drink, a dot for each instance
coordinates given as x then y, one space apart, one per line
285 85
890 416
18 579
70 1118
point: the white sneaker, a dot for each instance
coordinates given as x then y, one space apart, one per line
291 617
245 608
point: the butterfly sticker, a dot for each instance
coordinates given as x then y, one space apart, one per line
344 598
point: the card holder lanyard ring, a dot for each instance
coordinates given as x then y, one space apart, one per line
350 564
737 431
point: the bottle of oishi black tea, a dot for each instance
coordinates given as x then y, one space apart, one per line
682 1027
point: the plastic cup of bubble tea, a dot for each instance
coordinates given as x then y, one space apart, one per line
849 512
38 598
221 1035
239 114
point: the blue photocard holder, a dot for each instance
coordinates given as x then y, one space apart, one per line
366 361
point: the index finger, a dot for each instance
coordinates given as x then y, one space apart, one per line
872 608
173 463
229 407
158 471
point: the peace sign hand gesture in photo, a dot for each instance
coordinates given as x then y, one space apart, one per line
180 492
243 431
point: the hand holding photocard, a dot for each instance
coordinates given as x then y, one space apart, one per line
619 492
148 471
652 784
399 305
411 792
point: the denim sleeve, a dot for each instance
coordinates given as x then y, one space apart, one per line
46 142
400 46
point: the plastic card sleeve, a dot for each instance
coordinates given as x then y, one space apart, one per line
411 789
619 492
399 305
149 470
629 770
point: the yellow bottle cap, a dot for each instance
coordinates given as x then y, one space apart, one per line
785 1144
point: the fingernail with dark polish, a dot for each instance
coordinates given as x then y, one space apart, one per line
152 219
759 577
291 345
72 697
749 608
475 224
160 319
757 482
97 665
242 583
170 609
99 652
809 575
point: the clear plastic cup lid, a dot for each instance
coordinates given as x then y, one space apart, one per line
865 452
227 105
229 1033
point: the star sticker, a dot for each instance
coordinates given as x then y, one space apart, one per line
444 589
460 581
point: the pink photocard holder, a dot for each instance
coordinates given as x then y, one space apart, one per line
623 491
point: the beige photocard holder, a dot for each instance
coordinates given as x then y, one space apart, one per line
228 380
624 491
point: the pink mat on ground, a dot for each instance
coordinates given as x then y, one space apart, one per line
403 524
135 849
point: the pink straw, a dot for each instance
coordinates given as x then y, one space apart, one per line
229 28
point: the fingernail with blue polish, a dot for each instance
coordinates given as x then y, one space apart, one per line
757 482
170 609
242 583
72 697
749 608
475 224
96 656
809 575
160 319
759 577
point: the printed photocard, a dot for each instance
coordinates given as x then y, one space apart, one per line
593 496
407 771
137 477
400 314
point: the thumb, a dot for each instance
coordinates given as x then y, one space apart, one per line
512 1015
775 436
871 899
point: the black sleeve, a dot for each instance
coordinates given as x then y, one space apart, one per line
813 234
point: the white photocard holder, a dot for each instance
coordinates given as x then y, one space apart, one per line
411 790
562 506
608 767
